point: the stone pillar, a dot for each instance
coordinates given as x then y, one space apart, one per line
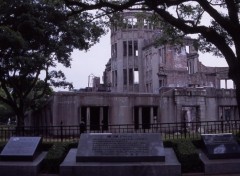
178 114
235 113
140 116
55 120
151 116
88 117
101 116
79 116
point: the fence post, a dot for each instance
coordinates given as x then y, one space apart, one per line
185 129
222 126
61 130
82 127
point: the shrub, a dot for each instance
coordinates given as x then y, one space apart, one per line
187 155
2 146
55 156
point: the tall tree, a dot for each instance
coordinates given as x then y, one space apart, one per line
35 35
220 35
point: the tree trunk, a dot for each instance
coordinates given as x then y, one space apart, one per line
20 123
237 83
234 74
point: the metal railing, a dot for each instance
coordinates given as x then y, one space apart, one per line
167 130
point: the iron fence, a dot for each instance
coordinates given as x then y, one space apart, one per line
167 130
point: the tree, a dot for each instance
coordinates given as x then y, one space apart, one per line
220 36
35 35
5 111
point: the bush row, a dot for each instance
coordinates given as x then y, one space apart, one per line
56 154
187 155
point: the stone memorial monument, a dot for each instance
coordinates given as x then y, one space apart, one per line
221 146
127 154
221 153
21 156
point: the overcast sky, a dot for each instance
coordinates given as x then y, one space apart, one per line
94 60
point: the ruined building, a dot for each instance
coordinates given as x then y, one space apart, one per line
137 64
146 84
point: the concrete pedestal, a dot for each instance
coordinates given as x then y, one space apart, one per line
170 167
220 166
21 168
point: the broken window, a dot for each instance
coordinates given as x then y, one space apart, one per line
134 22
136 117
189 115
161 83
95 117
130 48
228 112
145 116
226 84
125 23
130 76
124 48
136 76
145 23
187 49
190 67
115 77
83 114
129 23
114 50
162 58
160 52
124 76
135 47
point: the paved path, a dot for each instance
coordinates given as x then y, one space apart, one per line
188 174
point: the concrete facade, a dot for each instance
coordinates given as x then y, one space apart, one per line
171 105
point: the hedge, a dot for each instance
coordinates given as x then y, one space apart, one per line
55 156
187 155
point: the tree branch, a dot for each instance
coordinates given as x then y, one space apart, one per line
210 34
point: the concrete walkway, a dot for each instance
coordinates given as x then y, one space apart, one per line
188 174
202 174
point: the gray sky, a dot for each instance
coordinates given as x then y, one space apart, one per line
94 60
86 63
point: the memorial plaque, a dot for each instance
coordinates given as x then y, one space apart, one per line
120 148
221 146
21 149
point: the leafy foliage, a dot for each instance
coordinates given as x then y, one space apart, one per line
34 37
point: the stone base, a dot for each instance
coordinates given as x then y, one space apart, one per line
220 166
23 168
170 167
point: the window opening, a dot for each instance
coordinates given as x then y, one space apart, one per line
130 48
124 76
135 48
130 76
136 76
124 48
